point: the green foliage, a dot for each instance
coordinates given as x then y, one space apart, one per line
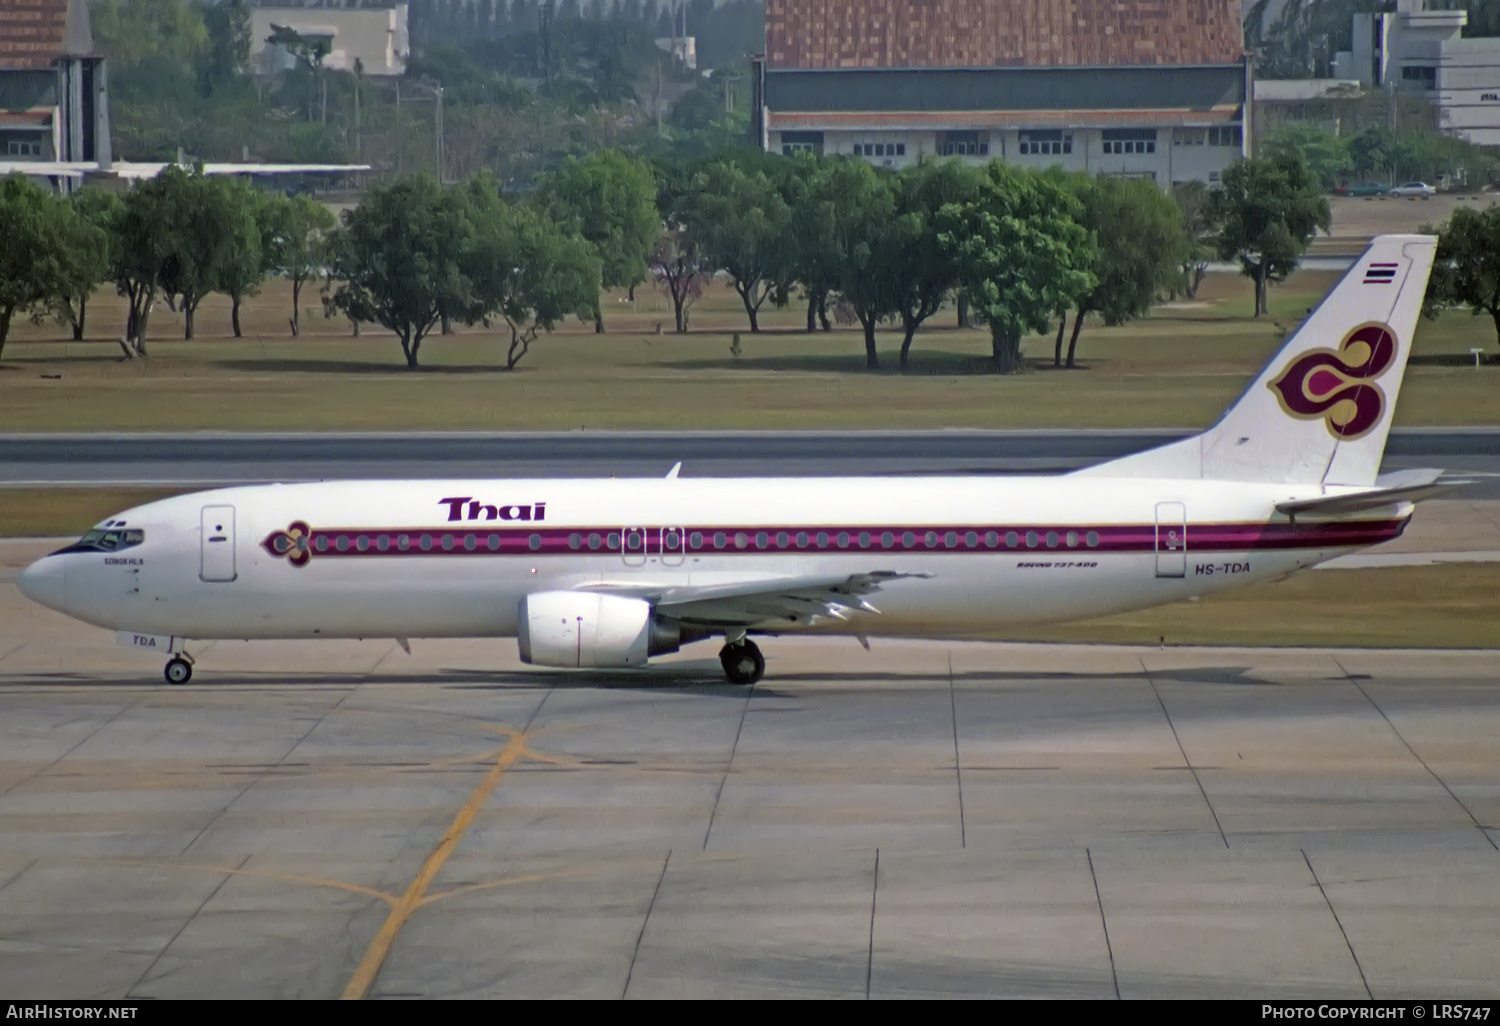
1195 201
1325 154
295 231
1022 252
1268 210
740 221
227 53
398 258
610 56
138 33
846 217
40 233
88 250
415 253
209 236
610 199
1466 272
145 247
1304 37
182 234
524 269
1141 244
465 80
923 270
731 32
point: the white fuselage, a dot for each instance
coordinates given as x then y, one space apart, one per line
408 559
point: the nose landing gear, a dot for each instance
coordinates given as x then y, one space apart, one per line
742 662
179 670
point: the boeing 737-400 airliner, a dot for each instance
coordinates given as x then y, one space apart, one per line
609 573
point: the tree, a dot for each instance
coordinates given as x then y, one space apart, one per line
680 271
1466 269
609 198
525 269
146 242
88 254
1326 154
310 52
244 268
811 242
398 259
740 223
1268 209
1141 244
923 270
37 228
677 263
1022 253
227 24
297 245
212 238
1197 217
851 211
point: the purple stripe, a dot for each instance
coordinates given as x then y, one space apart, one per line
654 541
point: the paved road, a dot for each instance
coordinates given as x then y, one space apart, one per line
208 459
921 820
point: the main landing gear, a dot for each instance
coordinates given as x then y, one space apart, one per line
742 661
179 670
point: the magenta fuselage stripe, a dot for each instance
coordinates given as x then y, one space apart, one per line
727 541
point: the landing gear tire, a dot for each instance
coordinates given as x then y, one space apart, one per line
179 671
743 663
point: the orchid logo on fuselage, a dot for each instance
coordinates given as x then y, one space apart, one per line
466 507
1338 386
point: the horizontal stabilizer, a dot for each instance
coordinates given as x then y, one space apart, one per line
1401 486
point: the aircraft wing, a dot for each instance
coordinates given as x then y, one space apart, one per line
1390 489
764 601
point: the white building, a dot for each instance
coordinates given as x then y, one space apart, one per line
1415 50
374 35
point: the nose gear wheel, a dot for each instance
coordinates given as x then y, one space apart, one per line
178 671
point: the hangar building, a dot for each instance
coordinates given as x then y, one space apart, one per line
1150 88
54 96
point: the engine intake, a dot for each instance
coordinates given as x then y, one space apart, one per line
579 629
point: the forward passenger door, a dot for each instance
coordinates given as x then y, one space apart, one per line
218 544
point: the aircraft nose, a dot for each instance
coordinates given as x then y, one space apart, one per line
42 584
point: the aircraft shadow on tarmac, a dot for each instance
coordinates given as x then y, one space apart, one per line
706 679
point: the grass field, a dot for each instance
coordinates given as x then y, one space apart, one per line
59 512
1178 368
1456 605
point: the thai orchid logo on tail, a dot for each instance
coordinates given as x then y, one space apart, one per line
1339 385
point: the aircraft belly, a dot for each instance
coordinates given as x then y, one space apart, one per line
435 598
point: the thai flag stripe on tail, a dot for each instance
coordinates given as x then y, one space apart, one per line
1380 274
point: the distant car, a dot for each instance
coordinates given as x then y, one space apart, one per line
1413 190
1362 189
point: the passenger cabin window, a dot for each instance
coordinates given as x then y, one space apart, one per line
106 541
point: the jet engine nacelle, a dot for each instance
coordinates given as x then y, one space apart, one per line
582 629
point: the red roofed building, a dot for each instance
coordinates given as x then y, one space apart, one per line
54 97
1152 88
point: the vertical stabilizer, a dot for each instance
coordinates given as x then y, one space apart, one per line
1320 412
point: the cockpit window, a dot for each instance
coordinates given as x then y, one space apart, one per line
106 541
